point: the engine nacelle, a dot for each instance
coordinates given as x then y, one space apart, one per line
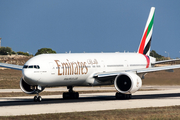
127 82
29 89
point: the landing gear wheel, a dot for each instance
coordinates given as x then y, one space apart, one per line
35 98
71 94
129 96
76 95
39 98
66 95
123 96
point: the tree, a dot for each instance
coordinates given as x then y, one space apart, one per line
153 53
13 52
45 50
23 53
6 51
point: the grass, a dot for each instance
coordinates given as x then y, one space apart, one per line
162 78
10 79
157 113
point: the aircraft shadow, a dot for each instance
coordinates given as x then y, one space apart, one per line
19 102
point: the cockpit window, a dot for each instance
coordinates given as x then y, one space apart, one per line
25 66
31 66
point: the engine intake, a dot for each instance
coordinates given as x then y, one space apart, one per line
29 89
127 83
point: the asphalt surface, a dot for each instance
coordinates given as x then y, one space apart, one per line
90 102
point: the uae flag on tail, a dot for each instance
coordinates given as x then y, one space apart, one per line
144 47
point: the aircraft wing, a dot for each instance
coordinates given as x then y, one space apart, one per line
155 69
11 66
111 75
164 61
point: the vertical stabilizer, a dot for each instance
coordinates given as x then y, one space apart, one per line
144 47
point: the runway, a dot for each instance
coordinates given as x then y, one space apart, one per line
88 102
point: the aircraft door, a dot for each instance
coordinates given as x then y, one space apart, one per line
52 68
103 65
126 64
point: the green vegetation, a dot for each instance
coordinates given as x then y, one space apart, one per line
23 53
45 50
9 51
158 57
155 54
157 113
6 51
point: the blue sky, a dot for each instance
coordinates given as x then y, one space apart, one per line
88 25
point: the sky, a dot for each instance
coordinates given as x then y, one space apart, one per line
88 25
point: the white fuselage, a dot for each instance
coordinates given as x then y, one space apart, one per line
77 69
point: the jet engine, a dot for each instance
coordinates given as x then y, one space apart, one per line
29 89
127 82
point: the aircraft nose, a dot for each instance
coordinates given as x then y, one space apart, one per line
29 77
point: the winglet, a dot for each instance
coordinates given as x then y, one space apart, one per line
144 47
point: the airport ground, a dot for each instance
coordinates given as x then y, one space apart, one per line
151 103
160 113
164 83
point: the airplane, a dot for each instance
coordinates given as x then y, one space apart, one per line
124 70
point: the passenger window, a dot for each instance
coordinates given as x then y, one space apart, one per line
35 66
31 66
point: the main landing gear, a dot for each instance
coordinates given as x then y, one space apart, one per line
71 94
123 96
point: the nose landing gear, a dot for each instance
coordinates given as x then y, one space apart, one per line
66 95
37 98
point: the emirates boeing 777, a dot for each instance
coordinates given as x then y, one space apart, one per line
124 70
